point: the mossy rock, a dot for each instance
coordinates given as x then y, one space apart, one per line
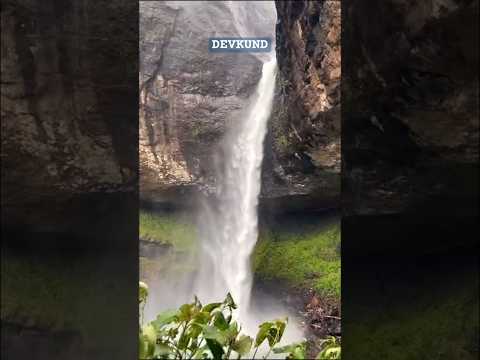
306 259
176 230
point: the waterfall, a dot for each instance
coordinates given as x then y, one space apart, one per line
230 221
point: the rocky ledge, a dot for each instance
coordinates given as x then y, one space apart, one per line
302 165
188 96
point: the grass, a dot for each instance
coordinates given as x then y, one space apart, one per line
167 229
304 259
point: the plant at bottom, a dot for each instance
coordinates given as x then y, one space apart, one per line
331 349
197 331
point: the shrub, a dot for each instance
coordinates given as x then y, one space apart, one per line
197 331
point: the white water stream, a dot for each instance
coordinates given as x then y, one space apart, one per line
229 225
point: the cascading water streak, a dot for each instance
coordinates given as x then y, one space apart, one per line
230 221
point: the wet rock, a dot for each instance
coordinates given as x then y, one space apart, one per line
188 95
303 145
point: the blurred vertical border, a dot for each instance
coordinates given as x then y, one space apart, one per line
410 179
69 194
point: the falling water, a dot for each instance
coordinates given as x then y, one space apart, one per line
230 221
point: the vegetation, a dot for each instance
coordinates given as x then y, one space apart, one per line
309 259
331 349
167 229
177 233
302 255
197 331
302 258
283 142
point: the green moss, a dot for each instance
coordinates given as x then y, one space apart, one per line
282 142
167 229
308 259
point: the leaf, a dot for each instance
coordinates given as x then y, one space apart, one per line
285 349
162 348
211 332
272 336
275 331
215 348
298 353
164 318
200 320
281 325
146 350
295 350
194 330
220 322
201 352
187 311
142 291
142 347
231 333
330 353
229 301
243 345
147 340
172 333
202 317
149 333
183 341
209 307
331 349
263 333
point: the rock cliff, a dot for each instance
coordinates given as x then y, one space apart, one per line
188 95
303 145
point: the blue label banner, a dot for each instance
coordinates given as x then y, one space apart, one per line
247 44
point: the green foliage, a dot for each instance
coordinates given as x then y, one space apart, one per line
167 229
307 259
143 292
295 351
331 349
197 331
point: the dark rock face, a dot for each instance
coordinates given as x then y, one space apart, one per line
67 109
303 146
410 106
187 95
